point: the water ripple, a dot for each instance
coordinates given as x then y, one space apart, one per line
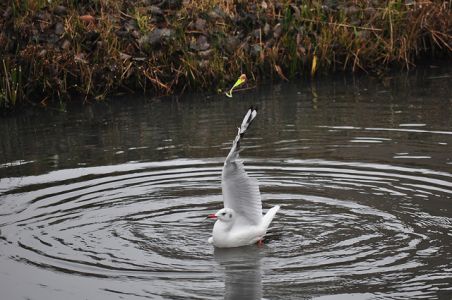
341 224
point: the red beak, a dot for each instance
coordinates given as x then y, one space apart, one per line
212 216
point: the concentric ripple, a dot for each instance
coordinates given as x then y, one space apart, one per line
138 230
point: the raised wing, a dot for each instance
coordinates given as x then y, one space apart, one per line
240 192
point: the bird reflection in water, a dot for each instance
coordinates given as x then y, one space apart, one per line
243 272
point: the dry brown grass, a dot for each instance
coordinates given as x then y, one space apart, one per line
53 50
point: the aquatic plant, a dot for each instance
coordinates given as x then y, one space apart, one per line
10 85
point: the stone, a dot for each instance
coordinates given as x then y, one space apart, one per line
43 15
155 10
200 24
232 43
59 29
60 10
66 44
351 10
156 37
200 44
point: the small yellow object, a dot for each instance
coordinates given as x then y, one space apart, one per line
239 82
314 65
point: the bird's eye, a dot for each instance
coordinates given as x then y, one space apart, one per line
223 214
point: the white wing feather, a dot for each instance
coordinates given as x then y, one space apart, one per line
240 192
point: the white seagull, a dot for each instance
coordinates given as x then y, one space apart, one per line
240 222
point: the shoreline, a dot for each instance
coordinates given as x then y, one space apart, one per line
55 51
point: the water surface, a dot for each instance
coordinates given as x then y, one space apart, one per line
109 201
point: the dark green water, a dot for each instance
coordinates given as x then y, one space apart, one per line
109 201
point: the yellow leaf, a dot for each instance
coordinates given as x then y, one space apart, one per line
314 65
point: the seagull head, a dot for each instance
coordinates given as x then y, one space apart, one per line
225 215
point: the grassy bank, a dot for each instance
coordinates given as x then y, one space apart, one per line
52 50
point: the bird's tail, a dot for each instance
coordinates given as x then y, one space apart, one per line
249 117
269 216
